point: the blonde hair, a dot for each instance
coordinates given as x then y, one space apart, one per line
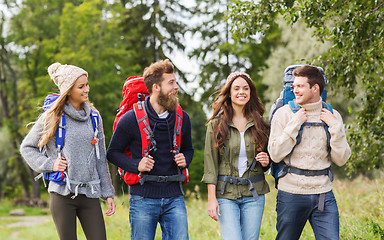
52 118
53 115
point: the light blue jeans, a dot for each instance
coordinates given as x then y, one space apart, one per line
240 219
145 213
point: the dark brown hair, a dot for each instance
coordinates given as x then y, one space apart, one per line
313 74
154 73
222 108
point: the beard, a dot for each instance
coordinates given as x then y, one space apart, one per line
168 101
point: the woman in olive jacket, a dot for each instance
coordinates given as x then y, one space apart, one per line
235 159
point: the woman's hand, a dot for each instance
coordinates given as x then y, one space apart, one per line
111 207
263 158
60 164
213 204
213 209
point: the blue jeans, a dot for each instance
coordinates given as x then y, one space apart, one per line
145 213
240 219
293 211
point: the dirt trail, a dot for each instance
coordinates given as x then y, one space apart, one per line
25 221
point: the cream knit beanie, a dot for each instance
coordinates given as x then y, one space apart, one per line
65 75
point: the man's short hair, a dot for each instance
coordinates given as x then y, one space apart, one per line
154 73
313 74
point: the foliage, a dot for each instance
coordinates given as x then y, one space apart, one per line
5 169
220 53
354 61
90 40
298 47
196 171
154 29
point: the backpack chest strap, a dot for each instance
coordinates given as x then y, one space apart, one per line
304 172
156 178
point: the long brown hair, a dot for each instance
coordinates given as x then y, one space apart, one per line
222 108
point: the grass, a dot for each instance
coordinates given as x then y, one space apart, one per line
6 206
360 203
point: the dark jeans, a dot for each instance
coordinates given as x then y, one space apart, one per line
64 211
293 211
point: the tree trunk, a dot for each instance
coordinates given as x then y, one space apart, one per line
115 179
24 184
36 189
10 106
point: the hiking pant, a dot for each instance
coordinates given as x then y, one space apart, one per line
293 211
240 219
145 213
64 211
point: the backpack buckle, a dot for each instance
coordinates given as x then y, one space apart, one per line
162 179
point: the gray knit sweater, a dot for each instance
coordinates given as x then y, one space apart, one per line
83 165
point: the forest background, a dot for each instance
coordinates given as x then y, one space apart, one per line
206 40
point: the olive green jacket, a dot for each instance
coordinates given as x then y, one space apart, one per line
225 162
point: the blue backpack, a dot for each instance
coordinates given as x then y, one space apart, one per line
59 177
280 169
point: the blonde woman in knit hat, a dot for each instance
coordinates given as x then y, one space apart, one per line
82 158
235 159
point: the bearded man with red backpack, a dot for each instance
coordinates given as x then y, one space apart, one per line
158 196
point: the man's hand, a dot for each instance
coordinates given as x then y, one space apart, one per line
146 164
60 164
180 160
301 115
327 116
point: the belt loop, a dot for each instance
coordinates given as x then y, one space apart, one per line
321 202
222 188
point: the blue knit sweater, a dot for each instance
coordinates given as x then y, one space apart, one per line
127 134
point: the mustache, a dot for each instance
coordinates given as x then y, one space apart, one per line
173 92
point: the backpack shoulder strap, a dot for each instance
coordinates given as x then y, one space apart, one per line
294 106
60 134
95 123
144 127
95 119
327 106
177 131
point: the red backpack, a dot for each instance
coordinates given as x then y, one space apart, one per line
134 93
